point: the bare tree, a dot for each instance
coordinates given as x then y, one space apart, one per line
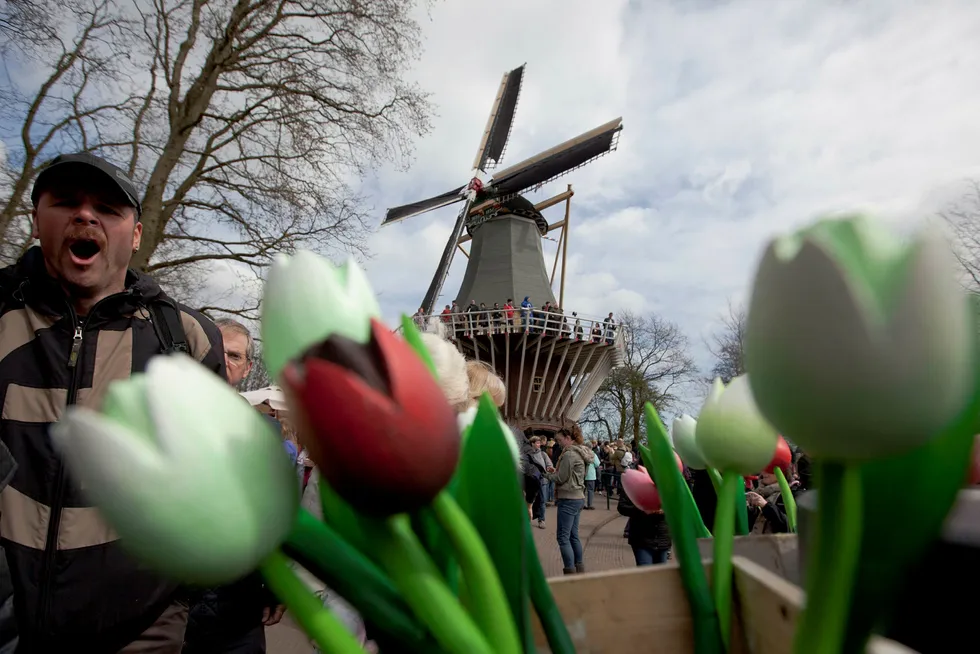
656 368
727 345
245 121
963 218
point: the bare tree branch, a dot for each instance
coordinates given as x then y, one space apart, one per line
247 122
657 367
963 218
727 345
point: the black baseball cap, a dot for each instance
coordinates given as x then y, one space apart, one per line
115 174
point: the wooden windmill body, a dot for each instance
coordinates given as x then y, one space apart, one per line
551 364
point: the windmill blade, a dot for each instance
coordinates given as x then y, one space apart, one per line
501 118
408 210
442 270
557 161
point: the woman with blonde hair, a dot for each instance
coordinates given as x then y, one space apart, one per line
483 379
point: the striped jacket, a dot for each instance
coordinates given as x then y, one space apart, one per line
74 588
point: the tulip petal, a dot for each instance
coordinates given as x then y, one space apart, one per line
158 511
684 429
732 434
842 372
641 490
307 299
177 493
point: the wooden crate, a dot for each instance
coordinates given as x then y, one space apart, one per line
645 610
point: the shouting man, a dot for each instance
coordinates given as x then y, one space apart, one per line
74 318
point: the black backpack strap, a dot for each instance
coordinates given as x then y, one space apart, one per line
166 322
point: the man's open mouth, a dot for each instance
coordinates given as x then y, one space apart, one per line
84 250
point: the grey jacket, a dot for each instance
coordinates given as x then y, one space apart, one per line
569 477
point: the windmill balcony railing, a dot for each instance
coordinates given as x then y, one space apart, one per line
466 324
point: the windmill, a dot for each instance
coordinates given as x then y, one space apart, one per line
552 364
488 196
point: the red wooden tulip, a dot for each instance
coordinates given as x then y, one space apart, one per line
781 458
377 424
641 490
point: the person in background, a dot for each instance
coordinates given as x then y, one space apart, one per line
569 478
591 472
232 619
527 312
767 512
498 319
542 462
647 533
610 328
74 318
447 315
471 318
419 319
509 313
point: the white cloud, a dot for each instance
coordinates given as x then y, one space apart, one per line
742 119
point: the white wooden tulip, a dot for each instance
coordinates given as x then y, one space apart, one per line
193 479
306 300
858 344
731 434
685 443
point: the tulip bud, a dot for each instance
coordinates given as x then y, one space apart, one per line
378 426
858 345
731 434
782 457
641 490
193 479
306 299
684 429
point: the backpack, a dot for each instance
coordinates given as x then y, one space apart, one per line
165 317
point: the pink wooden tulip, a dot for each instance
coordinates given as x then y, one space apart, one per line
641 490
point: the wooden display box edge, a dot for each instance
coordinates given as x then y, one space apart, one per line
645 610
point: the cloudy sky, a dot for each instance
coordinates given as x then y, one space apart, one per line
742 119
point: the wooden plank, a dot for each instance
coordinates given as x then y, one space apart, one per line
645 609
776 553
768 607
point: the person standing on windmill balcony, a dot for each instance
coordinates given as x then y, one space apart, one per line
527 311
509 314
471 318
454 319
610 325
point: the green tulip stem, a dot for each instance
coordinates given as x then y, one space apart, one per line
321 550
679 510
484 590
833 561
306 608
741 509
416 576
552 623
789 502
724 544
715 479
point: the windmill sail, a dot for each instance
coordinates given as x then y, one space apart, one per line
500 121
559 160
415 208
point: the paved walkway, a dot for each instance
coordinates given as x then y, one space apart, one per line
601 532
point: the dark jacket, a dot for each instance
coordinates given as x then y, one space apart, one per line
770 519
74 587
647 530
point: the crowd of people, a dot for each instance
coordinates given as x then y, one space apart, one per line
479 319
